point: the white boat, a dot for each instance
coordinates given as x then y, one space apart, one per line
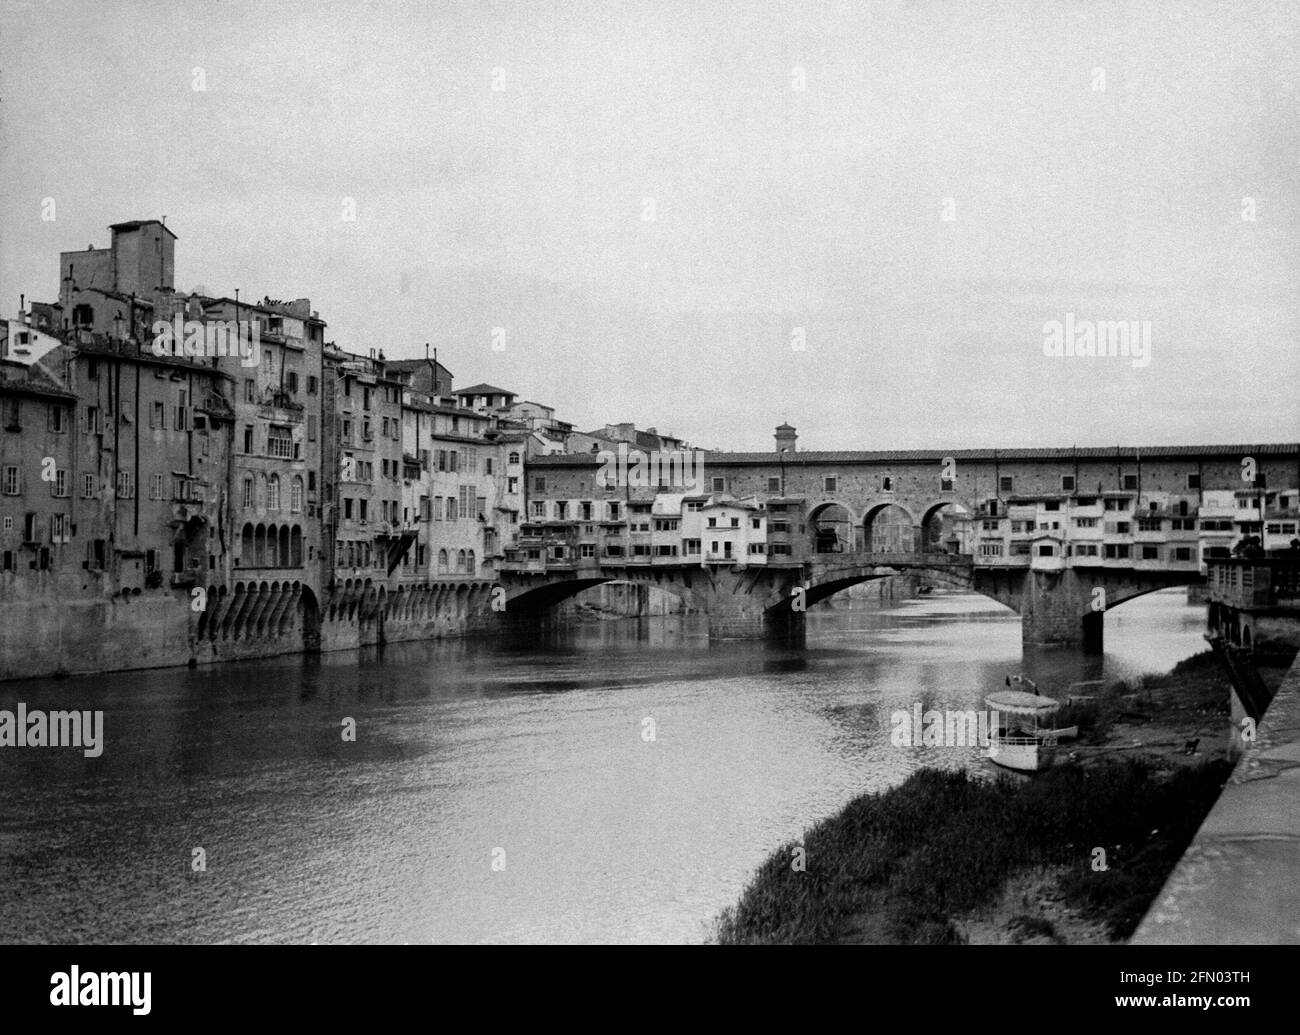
1025 739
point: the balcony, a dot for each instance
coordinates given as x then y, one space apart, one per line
1255 582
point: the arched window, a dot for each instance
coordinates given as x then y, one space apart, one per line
283 558
469 562
442 562
248 491
514 458
259 546
295 547
460 561
273 493
246 555
295 495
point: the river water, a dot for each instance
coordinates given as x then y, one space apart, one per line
618 783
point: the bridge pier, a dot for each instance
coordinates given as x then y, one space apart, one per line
1056 610
777 628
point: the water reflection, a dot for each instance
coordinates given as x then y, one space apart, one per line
465 746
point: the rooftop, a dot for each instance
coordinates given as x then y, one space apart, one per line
483 389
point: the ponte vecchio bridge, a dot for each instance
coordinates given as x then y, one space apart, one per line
1059 535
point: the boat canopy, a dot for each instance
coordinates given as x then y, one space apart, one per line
1019 702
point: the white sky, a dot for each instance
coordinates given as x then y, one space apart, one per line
774 208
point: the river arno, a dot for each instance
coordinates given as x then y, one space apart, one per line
470 751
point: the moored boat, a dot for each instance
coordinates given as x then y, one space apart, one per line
1025 739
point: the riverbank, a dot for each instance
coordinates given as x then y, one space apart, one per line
1073 855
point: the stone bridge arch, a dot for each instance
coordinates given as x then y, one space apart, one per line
535 601
832 527
890 527
932 526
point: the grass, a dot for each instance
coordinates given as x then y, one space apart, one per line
898 867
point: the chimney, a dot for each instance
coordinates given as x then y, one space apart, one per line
785 438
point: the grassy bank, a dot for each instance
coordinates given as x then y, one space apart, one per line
901 866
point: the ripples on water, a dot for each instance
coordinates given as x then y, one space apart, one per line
466 747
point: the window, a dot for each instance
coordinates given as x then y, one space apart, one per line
279 442
453 460
1194 480
719 484
512 485
125 490
59 487
1004 483
945 485
1130 481
1150 553
87 486
248 439
347 508
158 414
831 482
451 508
1148 524
487 465
363 509
1117 551
1046 550
1052 505
12 482
180 488
539 509
58 422
273 493
990 549
514 458
182 415
291 381
774 485
155 486
1085 522
12 412
1182 553
613 511
713 522
311 384
756 523
887 484
250 390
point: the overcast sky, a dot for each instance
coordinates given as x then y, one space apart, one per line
1093 158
